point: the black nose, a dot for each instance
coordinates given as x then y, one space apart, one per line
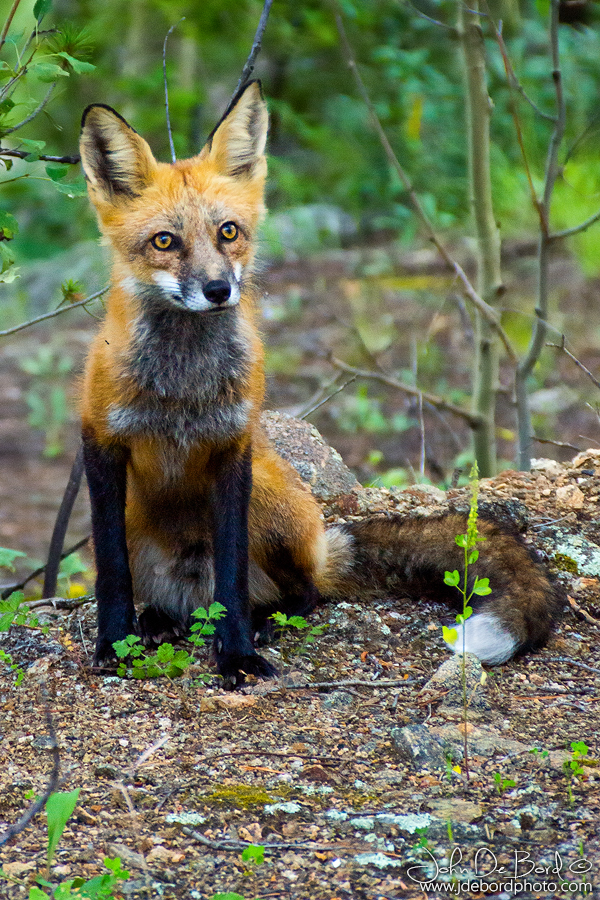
217 291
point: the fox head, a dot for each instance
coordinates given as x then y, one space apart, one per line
182 233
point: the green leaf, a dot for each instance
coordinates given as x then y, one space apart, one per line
71 188
227 896
41 8
473 557
165 653
30 144
482 587
216 610
461 540
580 747
47 72
9 226
59 808
297 622
7 557
452 579
114 866
280 619
255 852
78 65
450 635
56 172
35 893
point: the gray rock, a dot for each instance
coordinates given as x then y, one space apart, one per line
418 746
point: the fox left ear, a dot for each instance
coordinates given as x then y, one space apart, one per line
237 144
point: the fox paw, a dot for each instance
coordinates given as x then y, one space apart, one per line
233 669
157 626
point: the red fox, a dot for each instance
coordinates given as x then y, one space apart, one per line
190 502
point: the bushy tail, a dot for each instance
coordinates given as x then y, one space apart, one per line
408 557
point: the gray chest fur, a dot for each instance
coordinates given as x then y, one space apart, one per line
188 373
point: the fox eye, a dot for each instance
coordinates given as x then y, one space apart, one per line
162 241
229 231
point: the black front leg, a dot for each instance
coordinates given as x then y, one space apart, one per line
230 499
106 472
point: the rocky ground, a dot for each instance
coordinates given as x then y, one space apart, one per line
350 769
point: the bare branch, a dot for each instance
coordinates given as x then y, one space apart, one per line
488 312
39 804
164 61
8 22
55 312
563 346
306 414
576 229
556 443
22 154
472 419
17 587
60 526
255 50
32 115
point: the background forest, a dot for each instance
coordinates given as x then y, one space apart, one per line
351 276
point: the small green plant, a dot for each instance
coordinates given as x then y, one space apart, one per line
503 784
14 611
253 856
228 896
572 767
539 753
166 662
468 542
299 623
205 626
47 397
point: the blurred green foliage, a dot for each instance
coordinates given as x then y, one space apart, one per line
322 147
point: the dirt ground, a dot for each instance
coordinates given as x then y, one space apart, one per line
335 765
349 769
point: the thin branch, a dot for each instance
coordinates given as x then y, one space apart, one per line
57 541
55 312
164 61
17 587
22 154
473 420
576 229
255 50
578 363
487 311
305 415
562 444
35 112
39 804
427 18
8 22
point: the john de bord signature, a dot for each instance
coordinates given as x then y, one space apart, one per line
485 863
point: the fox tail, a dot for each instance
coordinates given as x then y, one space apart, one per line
408 557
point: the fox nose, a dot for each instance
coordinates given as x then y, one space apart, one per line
217 292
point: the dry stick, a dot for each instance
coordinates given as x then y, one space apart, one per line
7 24
525 367
254 51
566 446
17 587
471 418
268 845
22 154
487 311
563 346
306 414
164 60
39 804
55 312
60 526
573 662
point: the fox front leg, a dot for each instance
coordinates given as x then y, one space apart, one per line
106 472
234 649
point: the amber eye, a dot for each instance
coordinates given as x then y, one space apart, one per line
162 241
229 231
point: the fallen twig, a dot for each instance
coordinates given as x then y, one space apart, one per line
15 829
582 612
573 662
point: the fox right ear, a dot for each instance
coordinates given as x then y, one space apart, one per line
116 161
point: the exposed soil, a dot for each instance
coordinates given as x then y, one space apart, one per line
334 765
323 776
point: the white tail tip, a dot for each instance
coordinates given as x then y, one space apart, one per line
485 636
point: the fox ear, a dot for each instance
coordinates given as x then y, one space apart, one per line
117 162
237 144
